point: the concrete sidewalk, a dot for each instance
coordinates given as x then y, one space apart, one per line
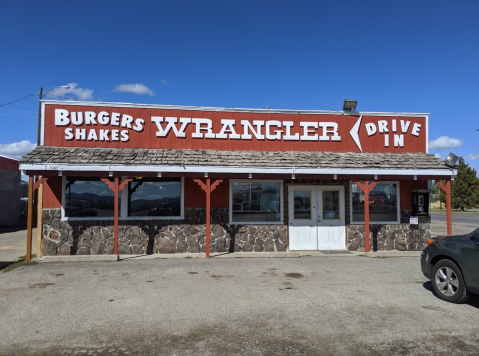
13 245
216 255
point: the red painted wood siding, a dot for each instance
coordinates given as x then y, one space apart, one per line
8 164
55 135
195 197
52 193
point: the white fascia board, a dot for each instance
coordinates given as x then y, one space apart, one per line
227 169
217 109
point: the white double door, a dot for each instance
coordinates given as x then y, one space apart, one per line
316 217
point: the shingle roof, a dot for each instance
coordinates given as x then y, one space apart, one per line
120 156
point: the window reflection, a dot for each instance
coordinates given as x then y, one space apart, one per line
256 201
302 204
331 204
382 203
88 197
154 197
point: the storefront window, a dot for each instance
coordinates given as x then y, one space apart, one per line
87 197
383 203
154 197
258 202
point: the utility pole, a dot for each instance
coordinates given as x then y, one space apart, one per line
40 96
39 192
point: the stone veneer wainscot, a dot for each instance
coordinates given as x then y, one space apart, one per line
90 236
400 237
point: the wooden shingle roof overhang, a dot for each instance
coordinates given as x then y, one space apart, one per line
56 159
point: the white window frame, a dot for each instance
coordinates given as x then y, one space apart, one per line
281 198
123 208
398 203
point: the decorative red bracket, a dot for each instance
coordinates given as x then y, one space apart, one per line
39 182
208 188
116 187
447 190
366 188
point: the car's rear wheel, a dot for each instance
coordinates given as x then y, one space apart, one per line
448 282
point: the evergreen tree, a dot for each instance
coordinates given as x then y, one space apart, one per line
465 187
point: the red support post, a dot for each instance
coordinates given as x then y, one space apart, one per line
116 187
366 188
208 188
208 217
447 190
116 217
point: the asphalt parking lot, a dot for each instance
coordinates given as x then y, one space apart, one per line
336 305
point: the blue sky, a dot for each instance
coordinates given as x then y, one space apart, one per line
397 56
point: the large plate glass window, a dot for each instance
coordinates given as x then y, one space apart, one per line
383 203
256 201
154 197
86 197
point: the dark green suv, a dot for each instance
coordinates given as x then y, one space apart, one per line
452 265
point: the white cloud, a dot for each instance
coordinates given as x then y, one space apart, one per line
137 88
80 93
438 155
163 81
17 150
473 156
445 142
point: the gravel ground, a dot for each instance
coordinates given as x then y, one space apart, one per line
298 306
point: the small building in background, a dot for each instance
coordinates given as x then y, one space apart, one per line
10 192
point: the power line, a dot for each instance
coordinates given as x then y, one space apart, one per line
11 102
17 115
18 111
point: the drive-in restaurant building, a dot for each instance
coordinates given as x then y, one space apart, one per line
132 179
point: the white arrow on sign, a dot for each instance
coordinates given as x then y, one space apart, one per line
355 133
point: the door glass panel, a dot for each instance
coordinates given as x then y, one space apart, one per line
331 205
302 205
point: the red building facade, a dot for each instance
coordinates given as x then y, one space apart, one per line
134 179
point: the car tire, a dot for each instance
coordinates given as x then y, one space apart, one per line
448 282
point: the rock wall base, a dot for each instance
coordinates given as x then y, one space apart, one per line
400 237
84 237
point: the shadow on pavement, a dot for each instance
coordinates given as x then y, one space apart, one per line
5 264
473 301
4 230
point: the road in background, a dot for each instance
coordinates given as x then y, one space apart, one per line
460 219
